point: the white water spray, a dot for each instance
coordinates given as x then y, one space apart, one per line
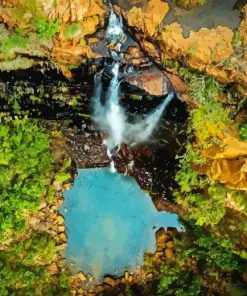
114 29
109 115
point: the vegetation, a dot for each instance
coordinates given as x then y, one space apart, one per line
204 89
236 41
73 30
23 270
12 43
243 132
209 122
25 162
46 29
202 266
209 258
26 11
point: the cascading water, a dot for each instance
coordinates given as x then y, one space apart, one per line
109 115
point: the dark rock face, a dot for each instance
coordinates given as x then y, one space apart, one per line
152 164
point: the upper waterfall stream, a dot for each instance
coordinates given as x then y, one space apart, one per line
109 114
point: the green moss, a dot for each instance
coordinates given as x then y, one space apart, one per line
243 132
46 29
73 30
136 97
236 41
11 44
17 63
26 11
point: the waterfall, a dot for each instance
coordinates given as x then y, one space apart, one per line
109 115
114 29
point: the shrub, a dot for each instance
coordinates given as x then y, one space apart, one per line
26 11
25 160
209 122
202 265
243 132
22 270
9 45
46 29
39 248
204 89
73 30
179 282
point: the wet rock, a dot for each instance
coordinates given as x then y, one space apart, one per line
33 222
61 228
82 276
59 202
109 281
172 231
98 289
161 239
122 280
63 237
43 226
53 269
153 81
60 220
42 205
195 51
149 19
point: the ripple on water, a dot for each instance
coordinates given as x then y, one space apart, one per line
110 223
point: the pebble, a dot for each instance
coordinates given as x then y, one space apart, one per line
82 276
98 289
63 237
42 205
60 220
53 269
61 228
109 281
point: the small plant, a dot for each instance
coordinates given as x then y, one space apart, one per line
236 41
177 281
26 11
243 132
46 29
204 89
15 41
83 42
73 30
209 121
136 97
